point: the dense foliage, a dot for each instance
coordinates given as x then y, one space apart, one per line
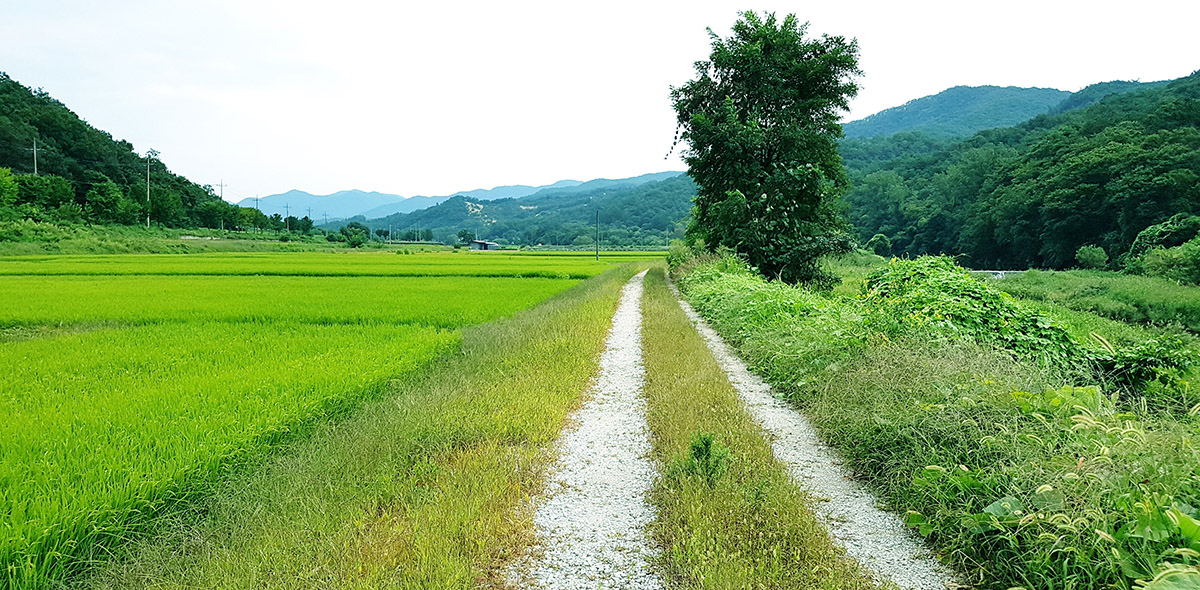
761 123
84 175
1022 472
1032 195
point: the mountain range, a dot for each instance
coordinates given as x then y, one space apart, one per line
965 110
344 205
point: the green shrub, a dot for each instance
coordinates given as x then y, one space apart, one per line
1181 263
708 459
879 244
1168 234
1093 257
934 294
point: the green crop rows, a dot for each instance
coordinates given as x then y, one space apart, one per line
127 382
576 265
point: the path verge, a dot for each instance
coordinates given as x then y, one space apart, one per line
591 523
875 538
738 522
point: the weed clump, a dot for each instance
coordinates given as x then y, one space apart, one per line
708 459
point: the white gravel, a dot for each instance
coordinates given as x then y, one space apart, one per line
877 539
591 523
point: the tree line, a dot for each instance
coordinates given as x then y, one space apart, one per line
83 175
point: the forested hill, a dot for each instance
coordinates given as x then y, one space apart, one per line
86 175
1031 195
646 213
960 111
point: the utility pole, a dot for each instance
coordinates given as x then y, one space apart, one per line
597 235
326 215
150 154
221 187
34 150
287 216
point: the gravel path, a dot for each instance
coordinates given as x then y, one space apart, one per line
591 523
875 538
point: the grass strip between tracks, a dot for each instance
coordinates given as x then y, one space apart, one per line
735 523
421 489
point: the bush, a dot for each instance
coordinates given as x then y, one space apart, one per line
1093 257
708 459
880 244
933 293
1181 263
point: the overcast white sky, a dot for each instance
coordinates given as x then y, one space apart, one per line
436 97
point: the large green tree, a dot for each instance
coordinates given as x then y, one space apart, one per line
761 125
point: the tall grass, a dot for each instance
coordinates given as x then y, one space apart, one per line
736 522
426 487
1023 473
1128 298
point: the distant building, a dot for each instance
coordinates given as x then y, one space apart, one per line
482 245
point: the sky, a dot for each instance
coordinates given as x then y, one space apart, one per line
431 98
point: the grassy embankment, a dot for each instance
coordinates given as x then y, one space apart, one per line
983 422
730 520
1128 298
127 395
424 487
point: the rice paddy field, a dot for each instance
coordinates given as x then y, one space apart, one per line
127 381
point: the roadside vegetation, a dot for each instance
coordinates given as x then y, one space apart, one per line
1028 457
1128 298
729 516
126 395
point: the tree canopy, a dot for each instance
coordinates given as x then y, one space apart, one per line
1032 195
760 121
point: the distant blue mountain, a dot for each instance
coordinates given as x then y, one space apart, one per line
372 205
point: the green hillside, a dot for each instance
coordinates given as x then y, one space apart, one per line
960 111
84 175
1031 195
644 214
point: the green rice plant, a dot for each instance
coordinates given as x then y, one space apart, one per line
104 428
341 263
425 486
445 302
126 394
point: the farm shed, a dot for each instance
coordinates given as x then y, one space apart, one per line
482 245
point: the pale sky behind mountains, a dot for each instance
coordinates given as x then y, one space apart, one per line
435 97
